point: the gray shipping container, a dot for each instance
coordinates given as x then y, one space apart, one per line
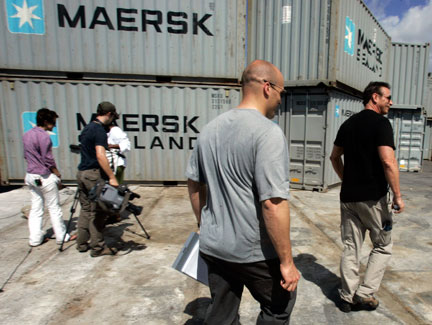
193 38
310 118
161 120
335 42
427 146
428 97
408 74
409 130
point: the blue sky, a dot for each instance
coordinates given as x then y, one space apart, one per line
408 21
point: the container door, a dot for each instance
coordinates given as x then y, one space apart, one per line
303 117
427 150
408 129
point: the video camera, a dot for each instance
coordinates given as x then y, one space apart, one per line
114 199
75 148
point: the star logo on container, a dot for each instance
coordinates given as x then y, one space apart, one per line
29 122
337 111
349 36
25 16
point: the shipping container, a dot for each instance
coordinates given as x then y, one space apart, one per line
162 121
310 118
428 96
427 147
408 74
335 42
192 38
409 130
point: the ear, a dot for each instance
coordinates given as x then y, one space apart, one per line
266 89
375 97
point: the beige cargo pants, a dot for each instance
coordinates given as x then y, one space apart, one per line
356 218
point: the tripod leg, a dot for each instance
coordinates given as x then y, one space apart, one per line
72 211
142 227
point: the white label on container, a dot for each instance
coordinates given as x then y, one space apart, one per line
286 15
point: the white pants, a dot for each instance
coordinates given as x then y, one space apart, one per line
46 193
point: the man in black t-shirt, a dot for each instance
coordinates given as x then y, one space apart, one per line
369 167
94 166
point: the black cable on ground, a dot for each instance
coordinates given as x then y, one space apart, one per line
16 268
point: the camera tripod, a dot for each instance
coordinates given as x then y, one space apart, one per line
73 209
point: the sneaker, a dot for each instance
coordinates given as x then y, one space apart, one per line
369 303
345 306
113 219
105 251
83 248
42 242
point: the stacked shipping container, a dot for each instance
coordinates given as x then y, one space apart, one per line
427 147
408 77
328 51
335 42
187 38
161 120
171 66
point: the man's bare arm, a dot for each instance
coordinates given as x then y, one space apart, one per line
276 214
336 160
104 164
391 171
197 196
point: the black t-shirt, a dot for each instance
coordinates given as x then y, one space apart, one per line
360 136
94 134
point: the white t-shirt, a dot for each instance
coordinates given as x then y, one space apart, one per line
117 136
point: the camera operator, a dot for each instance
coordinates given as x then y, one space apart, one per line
94 167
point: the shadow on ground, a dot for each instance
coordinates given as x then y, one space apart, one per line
197 309
314 272
114 234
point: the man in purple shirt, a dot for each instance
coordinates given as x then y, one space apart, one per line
42 178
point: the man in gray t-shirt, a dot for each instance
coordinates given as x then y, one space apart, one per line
238 179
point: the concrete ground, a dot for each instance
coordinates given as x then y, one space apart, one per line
138 286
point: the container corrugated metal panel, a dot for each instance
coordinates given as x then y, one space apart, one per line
408 74
310 118
161 120
428 97
427 147
314 41
195 38
408 129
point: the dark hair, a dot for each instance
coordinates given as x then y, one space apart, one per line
104 108
372 88
45 115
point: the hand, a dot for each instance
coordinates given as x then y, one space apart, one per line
290 276
113 182
397 201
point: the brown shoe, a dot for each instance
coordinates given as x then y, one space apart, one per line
83 248
105 251
369 303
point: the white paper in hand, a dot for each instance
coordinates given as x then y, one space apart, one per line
189 261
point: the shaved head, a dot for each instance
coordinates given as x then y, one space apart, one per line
262 87
260 70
